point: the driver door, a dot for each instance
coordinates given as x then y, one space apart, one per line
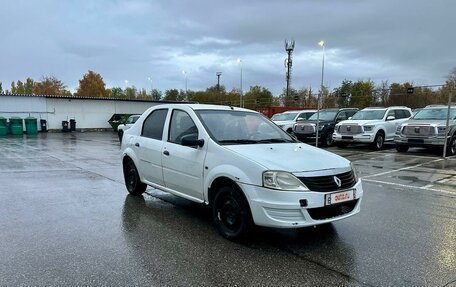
183 165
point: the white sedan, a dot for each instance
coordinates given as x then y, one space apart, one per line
247 169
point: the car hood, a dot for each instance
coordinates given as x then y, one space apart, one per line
292 157
361 122
427 122
283 122
314 122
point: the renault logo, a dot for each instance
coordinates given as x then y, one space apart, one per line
337 181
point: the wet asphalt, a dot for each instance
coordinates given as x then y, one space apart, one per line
66 220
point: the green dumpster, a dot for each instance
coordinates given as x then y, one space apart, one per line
3 127
31 126
16 126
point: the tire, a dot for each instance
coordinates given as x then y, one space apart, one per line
231 214
451 148
132 181
342 144
327 139
290 131
379 141
120 134
402 148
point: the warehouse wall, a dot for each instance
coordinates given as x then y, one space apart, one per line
89 114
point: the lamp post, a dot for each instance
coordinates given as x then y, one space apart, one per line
150 80
241 92
185 75
321 44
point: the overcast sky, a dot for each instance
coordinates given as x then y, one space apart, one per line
131 41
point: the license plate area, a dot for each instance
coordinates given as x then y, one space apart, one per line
417 141
347 137
338 197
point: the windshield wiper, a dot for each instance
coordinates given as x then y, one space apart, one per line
276 141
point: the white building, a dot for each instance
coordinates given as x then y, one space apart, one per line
89 113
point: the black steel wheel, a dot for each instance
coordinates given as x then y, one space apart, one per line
402 148
379 141
231 214
327 139
132 180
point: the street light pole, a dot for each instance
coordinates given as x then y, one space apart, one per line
321 44
241 94
150 80
185 74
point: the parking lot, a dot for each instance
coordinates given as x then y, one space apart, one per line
67 219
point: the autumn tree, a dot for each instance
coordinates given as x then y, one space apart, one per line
257 96
173 95
50 86
156 95
91 85
1 88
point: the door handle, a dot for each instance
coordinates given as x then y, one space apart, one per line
137 144
166 152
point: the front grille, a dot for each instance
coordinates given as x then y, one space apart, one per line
332 211
328 183
419 131
305 129
350 129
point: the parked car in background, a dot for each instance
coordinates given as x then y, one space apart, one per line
247 169
428 129
328 118
373 126
125 126
286 120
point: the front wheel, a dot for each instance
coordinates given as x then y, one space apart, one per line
402 148
379 141
231 214
451 148
327 139
132 181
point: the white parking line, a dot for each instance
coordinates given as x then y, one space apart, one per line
410 186
404 168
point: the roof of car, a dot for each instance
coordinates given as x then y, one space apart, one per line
206 107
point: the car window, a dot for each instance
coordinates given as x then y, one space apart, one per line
401 114
342 116
305 115
351 113
181 126
391 113
154 124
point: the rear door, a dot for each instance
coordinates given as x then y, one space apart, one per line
149 145
183 165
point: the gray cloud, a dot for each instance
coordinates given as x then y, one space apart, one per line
133 40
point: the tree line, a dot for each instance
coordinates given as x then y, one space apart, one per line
359 94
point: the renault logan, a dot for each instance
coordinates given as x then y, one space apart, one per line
247 169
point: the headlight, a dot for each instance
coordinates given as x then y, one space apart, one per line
355 172
368 128
441 130
282 181
398 129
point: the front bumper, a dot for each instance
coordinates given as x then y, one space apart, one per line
282 209
420 141
358 138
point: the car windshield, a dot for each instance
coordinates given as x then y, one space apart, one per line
284 117
435 114
324 116
369 115
229 127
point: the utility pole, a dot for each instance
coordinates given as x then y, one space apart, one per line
218 74
289 47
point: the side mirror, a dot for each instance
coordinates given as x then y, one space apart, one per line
300 119
390 118
192 141
349 118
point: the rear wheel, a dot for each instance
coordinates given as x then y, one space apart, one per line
402 148
451 148
231 214
379 141
132 181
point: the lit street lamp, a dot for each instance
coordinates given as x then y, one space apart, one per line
241 92
321 44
